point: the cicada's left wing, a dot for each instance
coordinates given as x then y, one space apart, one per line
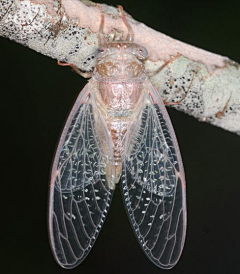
153 184
79 192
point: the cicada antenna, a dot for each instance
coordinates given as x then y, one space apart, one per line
130 35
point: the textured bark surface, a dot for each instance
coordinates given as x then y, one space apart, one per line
36 96
205 85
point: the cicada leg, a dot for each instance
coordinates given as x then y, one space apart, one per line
101 40
153 73
83 74
221 113
183 97
130 35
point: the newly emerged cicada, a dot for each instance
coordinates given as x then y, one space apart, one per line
118 128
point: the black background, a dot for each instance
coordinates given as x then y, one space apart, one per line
36 96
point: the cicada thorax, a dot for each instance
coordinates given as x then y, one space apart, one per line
120 77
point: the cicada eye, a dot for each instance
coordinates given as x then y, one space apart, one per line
100 52
142 53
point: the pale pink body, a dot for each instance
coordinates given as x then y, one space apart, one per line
120 77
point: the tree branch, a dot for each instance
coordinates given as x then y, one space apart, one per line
204 85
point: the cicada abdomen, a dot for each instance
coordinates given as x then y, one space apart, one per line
118 128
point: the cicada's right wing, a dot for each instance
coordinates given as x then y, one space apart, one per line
153 183
79 193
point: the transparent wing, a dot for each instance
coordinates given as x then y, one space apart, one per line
153 184
79 194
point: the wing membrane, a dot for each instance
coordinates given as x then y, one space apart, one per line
154 186
79 193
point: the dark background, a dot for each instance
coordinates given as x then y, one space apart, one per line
36 96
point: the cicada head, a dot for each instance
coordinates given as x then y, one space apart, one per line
120 61
119 47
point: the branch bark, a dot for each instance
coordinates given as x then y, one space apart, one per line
206 85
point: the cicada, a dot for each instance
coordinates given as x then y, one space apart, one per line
118 131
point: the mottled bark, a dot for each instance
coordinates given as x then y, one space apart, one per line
205 85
